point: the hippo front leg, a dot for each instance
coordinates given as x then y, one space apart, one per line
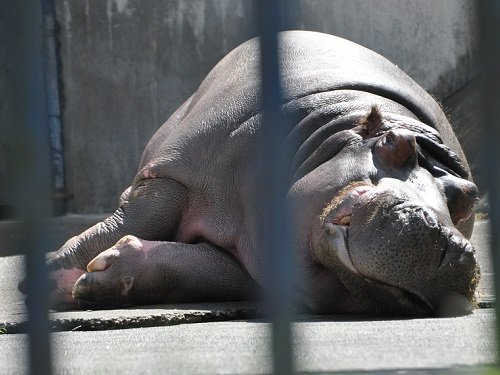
151 210
135 271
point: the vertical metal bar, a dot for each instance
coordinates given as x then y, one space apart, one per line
489 16
53 108
29 164
277 246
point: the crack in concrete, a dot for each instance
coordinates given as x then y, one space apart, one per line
134 318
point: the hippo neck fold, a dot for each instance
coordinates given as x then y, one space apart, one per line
341 110
323 115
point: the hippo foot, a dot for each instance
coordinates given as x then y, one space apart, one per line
60 288
61 279
114 275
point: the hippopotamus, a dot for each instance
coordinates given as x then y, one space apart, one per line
381 192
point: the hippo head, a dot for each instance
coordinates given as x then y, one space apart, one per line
395 229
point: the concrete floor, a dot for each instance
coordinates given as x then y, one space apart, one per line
242 347
322 344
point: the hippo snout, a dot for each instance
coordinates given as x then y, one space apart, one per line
414 249
398 248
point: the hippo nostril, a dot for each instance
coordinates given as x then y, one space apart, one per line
455 248
430 219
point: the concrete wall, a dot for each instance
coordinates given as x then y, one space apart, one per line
6 114
434 41
126 65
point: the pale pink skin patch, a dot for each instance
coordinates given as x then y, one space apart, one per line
148 173
146 246
100 263
65 279
341 206
137 243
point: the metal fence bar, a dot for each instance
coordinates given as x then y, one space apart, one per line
489 16
30 164
53 107
277 245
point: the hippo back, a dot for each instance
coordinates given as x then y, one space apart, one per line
317 70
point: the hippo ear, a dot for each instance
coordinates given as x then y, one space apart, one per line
372 123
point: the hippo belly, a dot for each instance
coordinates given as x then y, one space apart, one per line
382 195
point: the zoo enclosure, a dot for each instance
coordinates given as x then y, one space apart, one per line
33 168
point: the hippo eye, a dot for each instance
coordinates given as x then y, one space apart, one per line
438 158
431 166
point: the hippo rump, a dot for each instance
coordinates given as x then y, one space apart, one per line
381 189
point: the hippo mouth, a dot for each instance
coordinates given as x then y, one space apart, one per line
403 300
336 220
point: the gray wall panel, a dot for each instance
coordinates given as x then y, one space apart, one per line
126 65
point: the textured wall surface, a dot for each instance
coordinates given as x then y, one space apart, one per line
5 113
432 41
126 65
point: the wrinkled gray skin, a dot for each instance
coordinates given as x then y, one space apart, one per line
380 185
